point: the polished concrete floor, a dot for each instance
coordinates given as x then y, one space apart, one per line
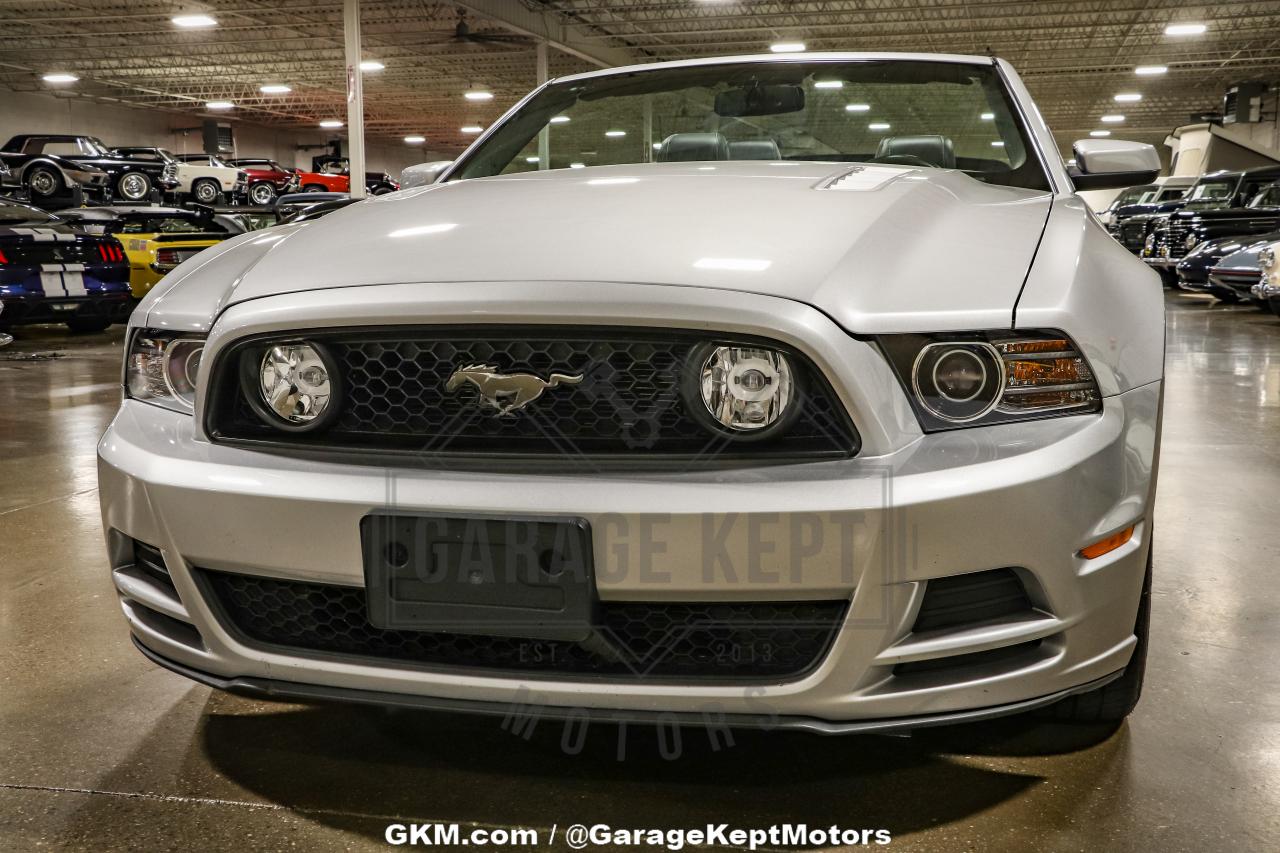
99 749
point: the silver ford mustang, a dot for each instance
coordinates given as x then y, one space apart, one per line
797 391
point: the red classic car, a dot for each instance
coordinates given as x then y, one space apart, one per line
267 179
331 178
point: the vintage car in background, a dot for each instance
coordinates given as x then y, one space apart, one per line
330 179
47 178
10 184
711 327
1142 200
1193 270
52 273
267 179
156 239
1219 205
127 179
1267 290
1239 273
207 179
375 183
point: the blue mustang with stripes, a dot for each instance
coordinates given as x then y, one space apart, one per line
50 273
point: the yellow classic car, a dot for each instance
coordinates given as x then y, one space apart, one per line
156 239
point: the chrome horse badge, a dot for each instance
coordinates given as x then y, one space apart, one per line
507 393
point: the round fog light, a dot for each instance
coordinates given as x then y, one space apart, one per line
296 384
746 389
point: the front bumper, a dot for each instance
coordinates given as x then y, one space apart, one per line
1027 495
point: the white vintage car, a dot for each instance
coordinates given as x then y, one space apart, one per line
205 176
791 391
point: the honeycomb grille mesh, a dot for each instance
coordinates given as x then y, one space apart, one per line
633 640
628 400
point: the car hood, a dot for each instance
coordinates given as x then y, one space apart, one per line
873 246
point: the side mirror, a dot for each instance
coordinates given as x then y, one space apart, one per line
1103 164
423 174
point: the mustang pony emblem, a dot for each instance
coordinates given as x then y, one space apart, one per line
506 392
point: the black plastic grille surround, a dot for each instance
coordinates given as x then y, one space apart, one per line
628 402
960 600
633 640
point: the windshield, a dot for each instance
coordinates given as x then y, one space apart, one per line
20 214
932 114
1210 194
1270 197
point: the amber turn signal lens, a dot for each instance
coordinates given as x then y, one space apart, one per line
1106 546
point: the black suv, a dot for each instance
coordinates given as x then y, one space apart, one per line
127 179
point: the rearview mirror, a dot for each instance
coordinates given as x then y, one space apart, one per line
759 101
1103 164
423 174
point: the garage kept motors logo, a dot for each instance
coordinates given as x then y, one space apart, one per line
506 393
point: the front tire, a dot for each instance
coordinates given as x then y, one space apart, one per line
315 188
206 191
1116 699
43 182
88 324
134 186
262 194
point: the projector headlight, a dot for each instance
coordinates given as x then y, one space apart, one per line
292 386
162 368
995 377
748 392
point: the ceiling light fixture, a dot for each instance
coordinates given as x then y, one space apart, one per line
193 21
829 84
615 134
988 116
1185 29
274 89
787 47
1127 98
478 95
558 119
331 122
857 108
371 65
1150 70
415 140
999 143
472 128
219 105
878 125
1099 133
577 165
1113 119
59 77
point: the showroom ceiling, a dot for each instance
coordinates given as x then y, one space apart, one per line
1074 55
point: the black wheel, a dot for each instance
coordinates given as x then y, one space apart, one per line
1115 700
88 324
382 190
134 186
44 182
206 191
314 188
1226 297
262 194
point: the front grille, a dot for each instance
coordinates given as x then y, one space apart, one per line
1133 235
960 600
1174 238
632 641
628 402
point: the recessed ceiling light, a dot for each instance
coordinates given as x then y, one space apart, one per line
59 77
331 122
1128 97
415 140
878 125
999 143
1149 70
1099 133
857 108
615 134
274 89
1184 29
829 84
472 128
988 116
478 95
219 105
1113 119
192 21
371 65
558 119
787 47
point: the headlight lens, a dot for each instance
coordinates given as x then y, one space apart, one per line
295 383
995 377
163 368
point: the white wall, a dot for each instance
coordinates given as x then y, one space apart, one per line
118 125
